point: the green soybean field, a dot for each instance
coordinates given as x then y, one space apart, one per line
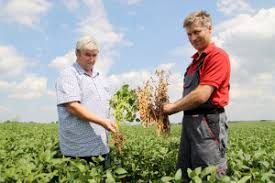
29 153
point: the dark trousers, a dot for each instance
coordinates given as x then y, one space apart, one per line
106 163
203 143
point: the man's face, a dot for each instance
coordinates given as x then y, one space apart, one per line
87 58
199 36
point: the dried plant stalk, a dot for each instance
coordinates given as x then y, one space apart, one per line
150 100
145 105
118 141
161 96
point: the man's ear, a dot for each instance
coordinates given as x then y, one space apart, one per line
210 28
77 53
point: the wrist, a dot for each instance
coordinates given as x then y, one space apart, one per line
102 122
173 108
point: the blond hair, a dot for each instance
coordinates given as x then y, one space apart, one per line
201 17
86 42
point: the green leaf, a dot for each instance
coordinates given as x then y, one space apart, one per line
120 171
208 170
197 171
124 104
258 154
110 178
189 172
244 179
81 167
265 163
92 181
167 179
178 175
225 179
196 179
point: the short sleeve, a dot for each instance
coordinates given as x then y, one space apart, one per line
215 70
67 88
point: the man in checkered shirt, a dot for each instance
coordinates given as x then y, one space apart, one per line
83 106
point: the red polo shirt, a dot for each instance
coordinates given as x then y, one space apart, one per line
215 71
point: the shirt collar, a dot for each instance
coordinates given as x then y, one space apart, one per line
206 51
82 71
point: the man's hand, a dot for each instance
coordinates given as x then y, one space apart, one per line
194 99
80 111
168 108
110 125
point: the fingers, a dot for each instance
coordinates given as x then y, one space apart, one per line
168 108
164 108
111 126
114 127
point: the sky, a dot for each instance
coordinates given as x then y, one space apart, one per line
136 37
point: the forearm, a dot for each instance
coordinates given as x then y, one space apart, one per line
81 112
194 99
189 102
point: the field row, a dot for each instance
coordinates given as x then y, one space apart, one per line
29 153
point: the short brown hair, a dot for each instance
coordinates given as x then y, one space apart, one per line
201 16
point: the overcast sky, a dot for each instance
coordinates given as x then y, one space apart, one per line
38 38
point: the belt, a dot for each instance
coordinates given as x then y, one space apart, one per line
204 111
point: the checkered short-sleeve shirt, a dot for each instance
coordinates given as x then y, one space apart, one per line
77 137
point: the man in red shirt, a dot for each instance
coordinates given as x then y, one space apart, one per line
206 92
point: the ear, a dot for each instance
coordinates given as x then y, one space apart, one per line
210 28
77 53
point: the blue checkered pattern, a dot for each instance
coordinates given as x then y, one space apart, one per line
78 137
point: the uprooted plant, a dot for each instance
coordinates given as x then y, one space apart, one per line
124 106
151 97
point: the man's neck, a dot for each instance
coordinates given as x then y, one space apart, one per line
89 72
199 53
